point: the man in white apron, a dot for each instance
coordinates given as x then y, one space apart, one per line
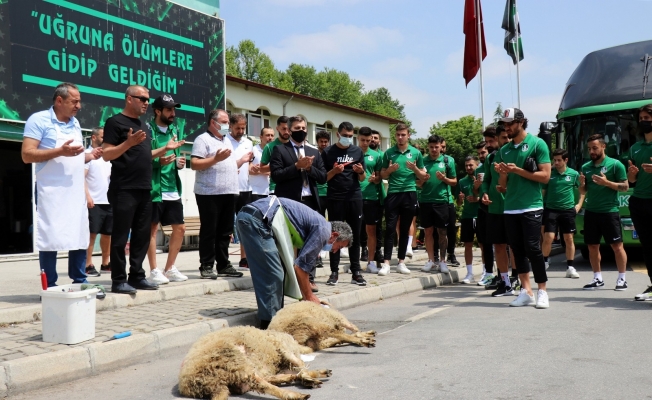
53 141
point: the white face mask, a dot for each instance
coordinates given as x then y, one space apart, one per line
346 141
224 128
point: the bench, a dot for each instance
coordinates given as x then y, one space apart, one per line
192 232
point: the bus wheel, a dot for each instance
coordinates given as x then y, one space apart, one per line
585 253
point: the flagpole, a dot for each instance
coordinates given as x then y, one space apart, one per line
479 31
518 56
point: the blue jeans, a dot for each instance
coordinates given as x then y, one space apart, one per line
267 271
76 266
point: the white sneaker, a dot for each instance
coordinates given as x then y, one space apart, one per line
468 279
384 270
523 299
175 276
484 273
443 268
428 266
547 265
371 267
157 276
486 280
402 269
344 252
572 273
409 252
542 299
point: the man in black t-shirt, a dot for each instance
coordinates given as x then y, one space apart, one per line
128 145
344 163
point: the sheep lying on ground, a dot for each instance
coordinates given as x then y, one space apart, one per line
318 327
242 359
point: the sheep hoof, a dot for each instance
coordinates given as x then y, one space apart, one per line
368 342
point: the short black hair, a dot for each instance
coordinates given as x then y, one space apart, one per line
237 118
402 127
282 120
490 132
345 126
296 118
365 131
323 135
435 139
560 152
481 145
375 132
471 158
598 136
499 129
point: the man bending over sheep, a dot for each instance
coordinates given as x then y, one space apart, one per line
309 231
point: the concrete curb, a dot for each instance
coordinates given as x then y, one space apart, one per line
44 370
166 292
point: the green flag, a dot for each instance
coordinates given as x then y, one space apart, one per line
512 27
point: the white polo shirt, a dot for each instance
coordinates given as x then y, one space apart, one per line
259 183
220 178
241 148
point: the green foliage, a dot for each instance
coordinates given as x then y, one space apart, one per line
498 113
461 137
248 62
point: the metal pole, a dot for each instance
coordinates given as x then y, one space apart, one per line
518 71
479 31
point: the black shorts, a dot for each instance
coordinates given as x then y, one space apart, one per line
598 225
371 211
100 219
481 226
242 200
496 229
434 214
167 212
469 228
564 219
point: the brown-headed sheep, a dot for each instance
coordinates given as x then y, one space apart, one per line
318 327
241 359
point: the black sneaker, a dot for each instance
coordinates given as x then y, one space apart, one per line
320 263
357 279
494 283
228 272
332 280
379 258
452 260
91 271
206 272
503 290
621 285
645 296
364 256
105 268
595 284
243 263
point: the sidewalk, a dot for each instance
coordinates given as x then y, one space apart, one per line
172 317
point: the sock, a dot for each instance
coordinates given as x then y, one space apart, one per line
569 263
505 277
484 271
621 276
546 259
469 269
597 275
409 242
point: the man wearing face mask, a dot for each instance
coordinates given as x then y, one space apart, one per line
283 137
297 168
216 186
346 169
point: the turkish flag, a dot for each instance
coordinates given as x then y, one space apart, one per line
471 62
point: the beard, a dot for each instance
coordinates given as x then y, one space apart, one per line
284 137
166 121
595 157
373 146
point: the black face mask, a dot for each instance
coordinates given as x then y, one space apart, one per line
373 145
645 126
299 136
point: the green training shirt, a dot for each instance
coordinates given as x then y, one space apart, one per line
434 190
523 194
165 178
641 153
469 209
267 156
561 189
601 199
373 163
489 183
403 179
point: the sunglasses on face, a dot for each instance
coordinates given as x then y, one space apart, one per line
141 98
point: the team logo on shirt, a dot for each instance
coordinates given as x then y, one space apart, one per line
409 155
603 170
568 178
370 158
525 147
441 165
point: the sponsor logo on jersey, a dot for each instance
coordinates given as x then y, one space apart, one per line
525 147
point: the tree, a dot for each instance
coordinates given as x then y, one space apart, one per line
247 62
461 137
498 113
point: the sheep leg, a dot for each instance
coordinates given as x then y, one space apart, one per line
365 334
264 387
281 379
317 373
221 394
344 338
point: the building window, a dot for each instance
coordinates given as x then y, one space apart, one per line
256 121
328 127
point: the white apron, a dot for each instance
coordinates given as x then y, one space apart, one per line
61 211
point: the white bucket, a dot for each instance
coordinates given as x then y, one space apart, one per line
68 316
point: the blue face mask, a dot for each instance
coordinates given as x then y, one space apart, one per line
327 247
346 141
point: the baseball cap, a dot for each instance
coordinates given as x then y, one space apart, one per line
165 101
510 114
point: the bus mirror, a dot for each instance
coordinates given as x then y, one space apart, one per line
545 132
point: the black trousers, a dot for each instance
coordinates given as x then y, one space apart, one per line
641 212
323 203
397 205
349 211
132 212
483 237
451 231
216 218
524 239
379 230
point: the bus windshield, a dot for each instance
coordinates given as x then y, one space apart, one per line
618 129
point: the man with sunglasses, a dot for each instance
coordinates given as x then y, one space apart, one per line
127 144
